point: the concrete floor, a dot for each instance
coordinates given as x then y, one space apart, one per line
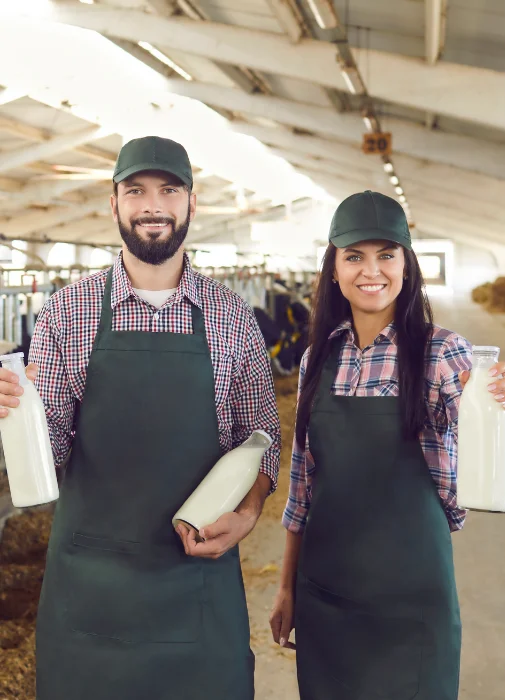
479 552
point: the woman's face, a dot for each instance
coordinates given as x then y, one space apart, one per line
370 275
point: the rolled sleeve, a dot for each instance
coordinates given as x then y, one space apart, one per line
253 402
52 383
300 484
456 356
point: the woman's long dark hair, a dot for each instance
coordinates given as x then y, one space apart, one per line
414 326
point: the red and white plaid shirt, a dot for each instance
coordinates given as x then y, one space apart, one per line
244 390
374 372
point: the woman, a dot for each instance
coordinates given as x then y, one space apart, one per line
373 488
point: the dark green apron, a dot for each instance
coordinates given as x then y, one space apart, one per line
124 613
377 613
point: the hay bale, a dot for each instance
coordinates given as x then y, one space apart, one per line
482 293
491 295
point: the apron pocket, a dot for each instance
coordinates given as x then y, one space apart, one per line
113 590
374 654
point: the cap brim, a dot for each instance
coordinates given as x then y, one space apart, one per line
142 167
344 240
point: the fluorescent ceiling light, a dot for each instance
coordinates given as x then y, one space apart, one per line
388 167
353 80
164 59
324 13
394 180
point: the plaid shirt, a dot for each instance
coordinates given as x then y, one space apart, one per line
67 325
374 372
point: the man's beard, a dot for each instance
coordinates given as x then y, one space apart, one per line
152 250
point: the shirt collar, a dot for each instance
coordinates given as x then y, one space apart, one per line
122 287
388 334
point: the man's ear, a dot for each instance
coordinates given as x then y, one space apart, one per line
113 206
192 206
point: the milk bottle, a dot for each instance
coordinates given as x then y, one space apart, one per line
25 439
226 485
481 439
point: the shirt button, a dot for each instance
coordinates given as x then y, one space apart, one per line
156 316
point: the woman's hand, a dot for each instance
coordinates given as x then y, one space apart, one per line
282 618
496 383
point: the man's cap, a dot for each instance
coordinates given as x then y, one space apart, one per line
153 153
368 216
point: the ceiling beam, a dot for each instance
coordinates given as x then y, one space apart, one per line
443 89
83 229
330 167
451 224
472 185
43 192
33 133
288 18
25 131
105 97
35 222
452 149
99 154
46 149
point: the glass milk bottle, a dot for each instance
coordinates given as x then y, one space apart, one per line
226 485
481 439
25 439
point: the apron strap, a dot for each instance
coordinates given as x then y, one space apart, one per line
329 370
198 321
106 314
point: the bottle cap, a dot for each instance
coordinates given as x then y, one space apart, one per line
12 356
15 363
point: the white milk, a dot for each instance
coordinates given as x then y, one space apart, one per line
481 439
226 485
25 439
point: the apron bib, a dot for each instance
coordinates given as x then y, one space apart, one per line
124 613
377 613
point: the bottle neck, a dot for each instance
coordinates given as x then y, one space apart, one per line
18 368
484 360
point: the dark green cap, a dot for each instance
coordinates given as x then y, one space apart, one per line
153 153
368 216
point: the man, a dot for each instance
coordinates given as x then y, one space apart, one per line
149 371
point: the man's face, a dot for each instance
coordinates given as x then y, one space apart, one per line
153 211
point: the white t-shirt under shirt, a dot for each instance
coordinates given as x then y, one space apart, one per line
157 298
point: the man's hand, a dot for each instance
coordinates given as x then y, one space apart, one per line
496 385
10 389
219 537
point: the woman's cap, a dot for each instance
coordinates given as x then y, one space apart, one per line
368 216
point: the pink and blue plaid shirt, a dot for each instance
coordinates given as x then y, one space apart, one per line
373 371
244 390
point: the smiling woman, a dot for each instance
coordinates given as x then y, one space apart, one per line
373 466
